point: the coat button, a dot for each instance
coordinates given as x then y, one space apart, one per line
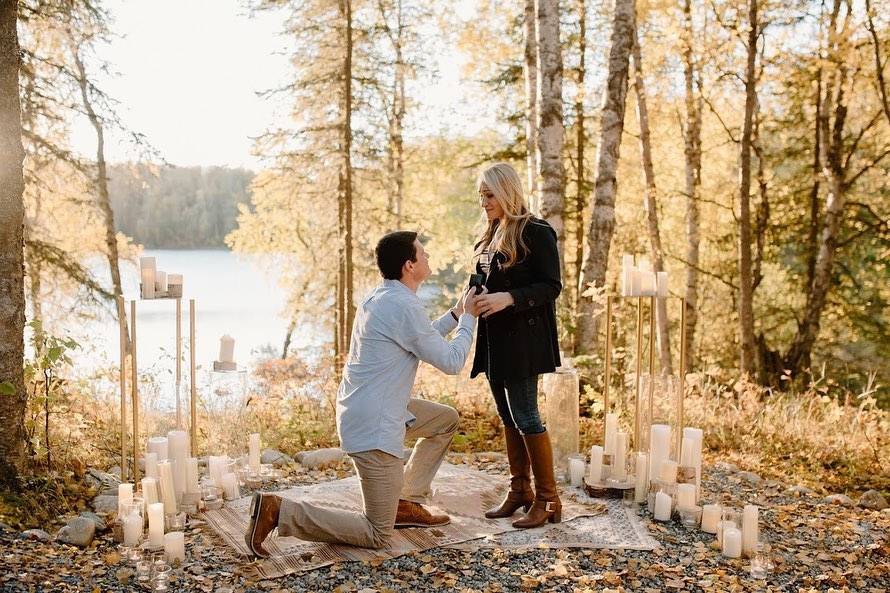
531 321
531 302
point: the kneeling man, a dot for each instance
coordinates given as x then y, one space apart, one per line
375 410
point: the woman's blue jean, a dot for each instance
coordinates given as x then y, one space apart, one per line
517 403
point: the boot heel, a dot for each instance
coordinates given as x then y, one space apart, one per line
556 516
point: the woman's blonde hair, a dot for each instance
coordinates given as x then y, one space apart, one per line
503 182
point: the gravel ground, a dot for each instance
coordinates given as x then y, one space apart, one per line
816 547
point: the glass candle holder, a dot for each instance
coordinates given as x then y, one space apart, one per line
688 517
212 497
628 497
143 571
124 551
761 562
175 521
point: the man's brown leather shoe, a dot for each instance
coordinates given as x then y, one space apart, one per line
412 514
264 509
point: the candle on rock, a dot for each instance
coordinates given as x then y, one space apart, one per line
690 455
662 506
595 469
750 529
641 467
254 453
174 546
156 524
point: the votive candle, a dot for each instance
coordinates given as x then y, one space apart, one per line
710 517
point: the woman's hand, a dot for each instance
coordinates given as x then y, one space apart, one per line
490 304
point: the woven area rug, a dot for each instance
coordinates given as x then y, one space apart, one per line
462 492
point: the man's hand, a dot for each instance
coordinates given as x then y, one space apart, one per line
471 300
489 304
458 308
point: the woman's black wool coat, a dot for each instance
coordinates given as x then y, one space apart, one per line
521 340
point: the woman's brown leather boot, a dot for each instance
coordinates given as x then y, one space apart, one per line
520 494
547 506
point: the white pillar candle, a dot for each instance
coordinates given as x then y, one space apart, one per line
151 464
576 471
216 467
619 458
641 467
174 279
132 529
648 284
179 451
124 496
611 431
161 281
147 268
695 437
174 546
668 471
150 490
750 529
662 284
662 506
710 516
156 524
230 486
191 476
158 445
166 487
723 527
627 271
595 469
637 286
659 448
685 495
732 542
227 349
254 452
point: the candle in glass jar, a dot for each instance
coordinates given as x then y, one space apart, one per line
151 464
659 448
750 529
132 529
685 496
662 506
595 469
156 524
174 546
230 486
722 527
641 467
619 459
711 514
732 542
576 471
227 349
254 452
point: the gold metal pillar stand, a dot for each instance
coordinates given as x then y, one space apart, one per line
178 362
681 388
638 404
608 378
134 387
122 326
193 388
651 418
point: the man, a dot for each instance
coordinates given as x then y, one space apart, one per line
392 333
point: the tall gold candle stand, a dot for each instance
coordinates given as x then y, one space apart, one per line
124 331
608 378
193 388
134 388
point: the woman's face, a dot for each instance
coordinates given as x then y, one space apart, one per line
491 206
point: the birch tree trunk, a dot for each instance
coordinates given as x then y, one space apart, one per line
103 200
530 66
651 206
580 142
396 114
746 286
692 153
12 285
345 194
602 216
551 130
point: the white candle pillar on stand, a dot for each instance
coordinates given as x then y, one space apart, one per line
147 269
595 469
641 467
159 446
166 487
668 471
161 282
750 529
732 542
627 275
156 524
254 452
227 349
659 448
662 507
151 464
619 458
663 284
691 454
132 529
191 476
124 495
576 471
711 514
179 451
611 431
637 286
150 490
685 495
174 546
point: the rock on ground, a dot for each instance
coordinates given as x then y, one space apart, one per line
872 499
841 499
36 534
750 477
275 457
99 521
799 491
320 457
105 503
79 532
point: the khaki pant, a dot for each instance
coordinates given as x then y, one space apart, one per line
384 480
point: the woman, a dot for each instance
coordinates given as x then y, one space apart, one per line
516 338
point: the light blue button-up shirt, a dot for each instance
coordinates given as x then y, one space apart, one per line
391 335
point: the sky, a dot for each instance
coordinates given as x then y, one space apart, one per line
187 73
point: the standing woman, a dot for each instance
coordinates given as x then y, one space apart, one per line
516 338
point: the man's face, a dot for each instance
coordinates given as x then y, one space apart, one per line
420 269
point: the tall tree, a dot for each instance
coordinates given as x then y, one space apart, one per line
582 189
650 203
12 294
530 70
551 128
344 188
602 217
746 280
692 154
393 21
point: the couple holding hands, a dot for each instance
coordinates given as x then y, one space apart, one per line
516 341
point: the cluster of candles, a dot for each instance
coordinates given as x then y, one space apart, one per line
173 488
157 284
642 280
